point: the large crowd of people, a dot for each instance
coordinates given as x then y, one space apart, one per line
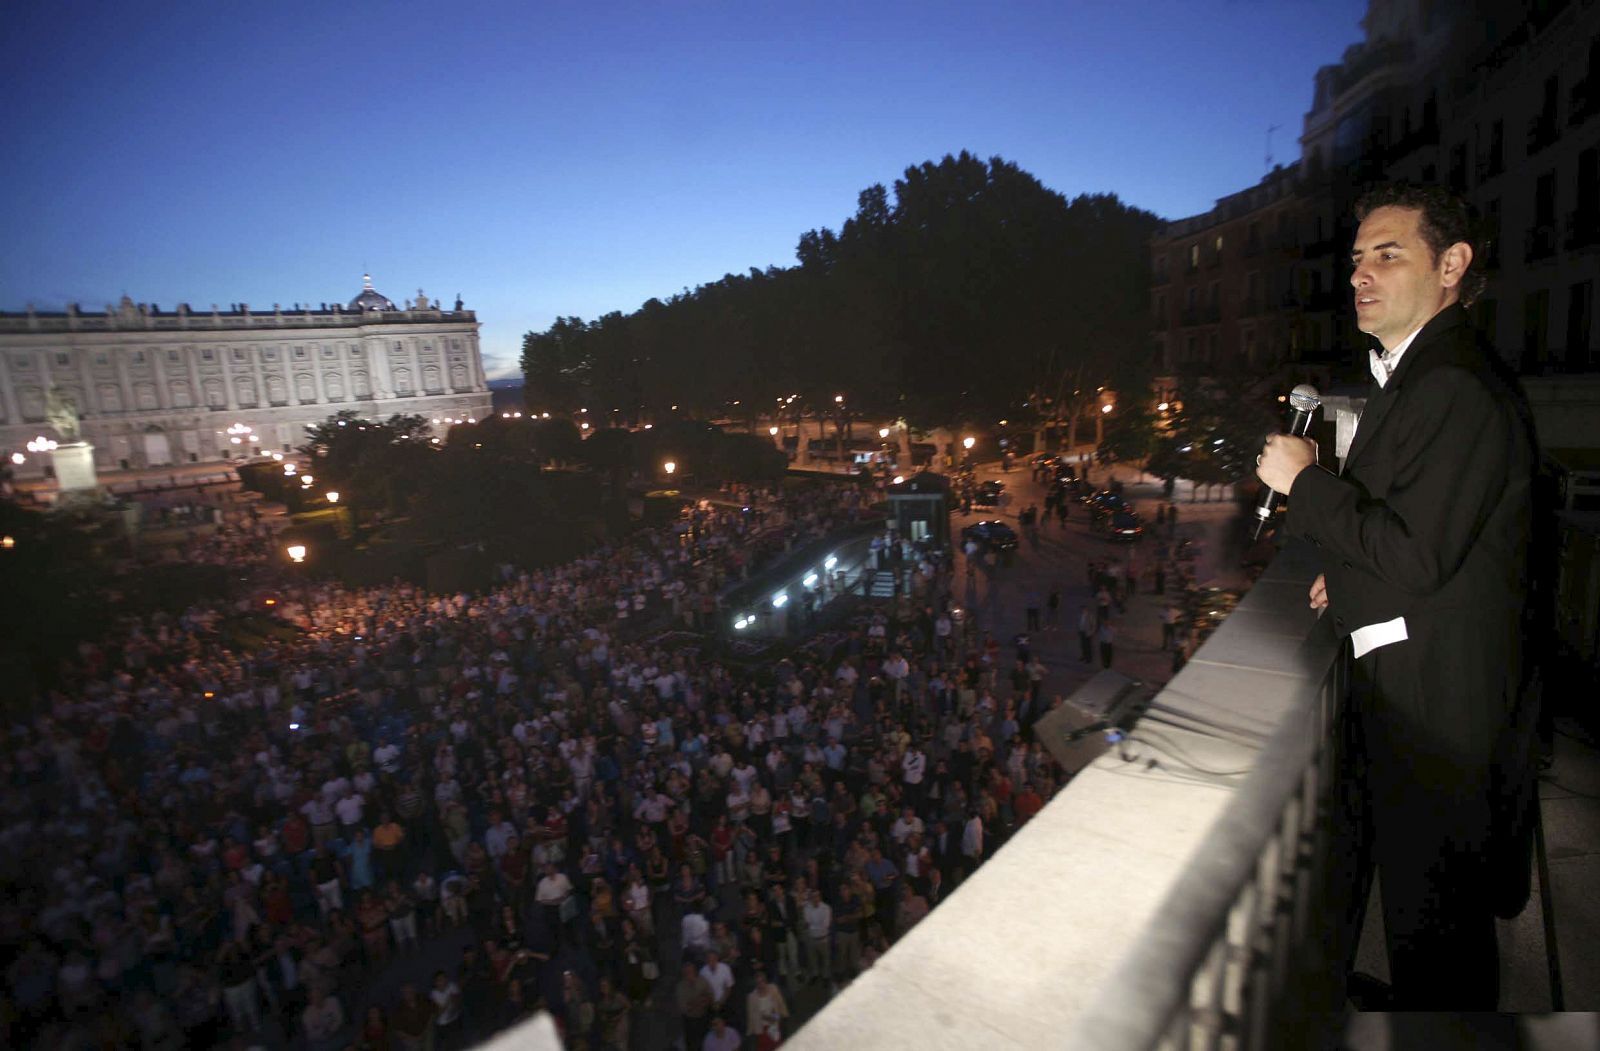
546 789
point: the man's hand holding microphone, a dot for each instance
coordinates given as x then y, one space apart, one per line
1282 459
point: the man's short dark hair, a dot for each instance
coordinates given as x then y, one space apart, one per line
1446 220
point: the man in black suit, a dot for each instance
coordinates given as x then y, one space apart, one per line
1424 542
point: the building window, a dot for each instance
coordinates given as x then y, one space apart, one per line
138 357
277 390
32 399
208 354
270 354
1536 328
63 360
101 359
182 397
327 352
216 396
1194 256
1580 323
238 353
355 351
305 388
333 383
300 353
172 356
402 382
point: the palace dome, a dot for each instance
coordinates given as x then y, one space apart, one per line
370 298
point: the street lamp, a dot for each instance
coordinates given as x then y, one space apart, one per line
1104 409
772 431
18 459
968 442
333 496
296 552
883 432
669 467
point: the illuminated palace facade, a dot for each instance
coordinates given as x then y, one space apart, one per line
157 387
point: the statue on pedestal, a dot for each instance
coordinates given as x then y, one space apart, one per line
62 412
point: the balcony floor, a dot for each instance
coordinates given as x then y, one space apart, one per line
1569 794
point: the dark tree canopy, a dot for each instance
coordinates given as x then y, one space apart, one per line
970 290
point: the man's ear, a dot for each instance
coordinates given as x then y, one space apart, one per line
1453 264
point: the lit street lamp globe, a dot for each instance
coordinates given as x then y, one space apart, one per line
968 442
296 552
669 467
333 496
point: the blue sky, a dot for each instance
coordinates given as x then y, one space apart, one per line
548 159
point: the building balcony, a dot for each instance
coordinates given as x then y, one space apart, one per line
1543 130
1582 228
1540 244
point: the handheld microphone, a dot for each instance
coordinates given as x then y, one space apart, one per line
1303 403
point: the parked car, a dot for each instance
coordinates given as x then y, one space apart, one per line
987 494
1124 524
1104 503
992 534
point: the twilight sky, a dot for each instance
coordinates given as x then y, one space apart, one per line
558 158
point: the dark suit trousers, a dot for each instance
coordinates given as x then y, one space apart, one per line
1421 790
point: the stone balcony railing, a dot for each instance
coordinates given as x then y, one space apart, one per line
1178 888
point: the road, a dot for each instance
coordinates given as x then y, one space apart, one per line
999 598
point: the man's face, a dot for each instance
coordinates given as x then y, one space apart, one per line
1398 283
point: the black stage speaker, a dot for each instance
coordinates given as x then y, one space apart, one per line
1074 733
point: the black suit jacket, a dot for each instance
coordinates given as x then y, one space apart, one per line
1429 521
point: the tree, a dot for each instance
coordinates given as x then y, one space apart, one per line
1215 433
967 293
375 464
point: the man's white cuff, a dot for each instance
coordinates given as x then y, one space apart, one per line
1365 640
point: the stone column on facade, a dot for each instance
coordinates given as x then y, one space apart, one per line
379 383
8 392
159 368
475 362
